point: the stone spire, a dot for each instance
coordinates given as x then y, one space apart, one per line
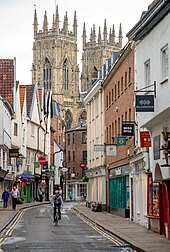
94 35
120 35
45 24
57 21
99 36
91 37
105 33
110 37
84 35
65 24
54 24
75 25
113 34
35 23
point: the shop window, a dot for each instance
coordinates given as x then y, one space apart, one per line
153 197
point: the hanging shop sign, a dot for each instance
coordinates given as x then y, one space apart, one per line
145 139
42 160
127 129
111 150
14 153
37 168
52 168
45 165
144 103
121 141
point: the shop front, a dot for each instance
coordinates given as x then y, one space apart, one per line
25 187
158 211
119 191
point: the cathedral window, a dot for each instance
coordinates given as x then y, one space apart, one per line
65 74
47 75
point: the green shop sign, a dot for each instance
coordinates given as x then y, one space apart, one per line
52 168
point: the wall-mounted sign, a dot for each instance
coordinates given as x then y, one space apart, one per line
111 150
127 129
144 103
121 141
145 139
99 147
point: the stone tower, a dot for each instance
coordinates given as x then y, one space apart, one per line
96 51
55 65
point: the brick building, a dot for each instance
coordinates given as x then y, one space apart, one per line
75 157
119 111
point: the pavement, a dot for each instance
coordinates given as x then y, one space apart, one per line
139 237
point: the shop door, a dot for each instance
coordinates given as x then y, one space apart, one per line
28 193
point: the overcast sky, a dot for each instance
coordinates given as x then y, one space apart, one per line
17 16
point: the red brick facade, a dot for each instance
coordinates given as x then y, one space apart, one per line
119 106
76 152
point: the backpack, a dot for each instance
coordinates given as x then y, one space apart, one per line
57 200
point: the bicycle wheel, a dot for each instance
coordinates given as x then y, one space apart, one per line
56 219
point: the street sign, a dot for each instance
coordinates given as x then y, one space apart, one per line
64 169
82 165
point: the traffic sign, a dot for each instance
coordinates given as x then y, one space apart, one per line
82 165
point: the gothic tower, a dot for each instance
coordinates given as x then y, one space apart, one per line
55 65
96 51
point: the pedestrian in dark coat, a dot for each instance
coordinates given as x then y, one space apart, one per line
5 197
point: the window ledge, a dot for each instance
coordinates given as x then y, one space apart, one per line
164 80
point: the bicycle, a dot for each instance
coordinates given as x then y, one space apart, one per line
56 215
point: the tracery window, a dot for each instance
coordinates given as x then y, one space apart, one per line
47 74
65 74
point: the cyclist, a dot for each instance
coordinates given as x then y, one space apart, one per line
58 202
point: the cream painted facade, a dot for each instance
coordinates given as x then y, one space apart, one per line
94 101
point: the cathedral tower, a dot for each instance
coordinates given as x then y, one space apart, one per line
55 65
95 52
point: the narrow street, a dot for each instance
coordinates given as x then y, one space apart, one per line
35 231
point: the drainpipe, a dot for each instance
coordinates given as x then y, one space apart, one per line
35 155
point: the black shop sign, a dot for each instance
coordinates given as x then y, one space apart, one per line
127 129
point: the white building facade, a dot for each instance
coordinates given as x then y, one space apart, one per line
96 189
152 38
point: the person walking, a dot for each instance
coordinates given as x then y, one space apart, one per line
5 197
15 195
40 194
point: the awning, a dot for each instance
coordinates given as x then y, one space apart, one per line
27 178
3 174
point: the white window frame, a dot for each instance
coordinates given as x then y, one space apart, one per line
147 73
164 63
